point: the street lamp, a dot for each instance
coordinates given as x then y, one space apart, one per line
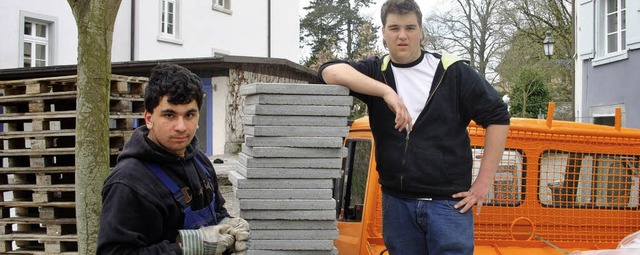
548 44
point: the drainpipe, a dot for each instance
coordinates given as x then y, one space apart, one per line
268 28
132 47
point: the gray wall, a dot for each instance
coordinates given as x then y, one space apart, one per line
616 83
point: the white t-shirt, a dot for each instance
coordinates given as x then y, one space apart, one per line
414 83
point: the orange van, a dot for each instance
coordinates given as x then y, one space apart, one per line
561 187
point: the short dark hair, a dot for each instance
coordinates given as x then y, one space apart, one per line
402 7
180 85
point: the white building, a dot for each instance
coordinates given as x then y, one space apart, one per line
43 32
263 32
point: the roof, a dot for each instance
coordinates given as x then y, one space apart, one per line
204 67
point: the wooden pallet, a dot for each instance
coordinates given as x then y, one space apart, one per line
38 241
37 155
39 193
120 85
54 227
49 103
39 86
65 101
59 139
45 169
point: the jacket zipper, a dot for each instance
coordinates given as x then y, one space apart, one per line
406 141
404 158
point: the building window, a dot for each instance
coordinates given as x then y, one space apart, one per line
222 6
169 21
610 31
615 25
612 26
605 120
606 114
35 44
168 17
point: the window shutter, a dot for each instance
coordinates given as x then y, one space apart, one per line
633 31
586 28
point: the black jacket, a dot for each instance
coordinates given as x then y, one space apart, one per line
434 160
139 214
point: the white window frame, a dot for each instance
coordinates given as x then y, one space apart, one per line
47 41
603 56
223 6
620 27
172 36
607 111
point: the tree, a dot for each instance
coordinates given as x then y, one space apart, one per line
335 29
529 95
95 20
473 28
519 54
532 18
535 17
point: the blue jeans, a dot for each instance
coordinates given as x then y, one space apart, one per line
422 227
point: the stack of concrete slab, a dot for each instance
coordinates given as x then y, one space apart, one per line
292 152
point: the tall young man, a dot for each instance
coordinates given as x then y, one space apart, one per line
420 104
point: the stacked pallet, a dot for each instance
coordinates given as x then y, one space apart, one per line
292 152
37 150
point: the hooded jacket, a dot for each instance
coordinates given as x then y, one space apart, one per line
139 213
434 159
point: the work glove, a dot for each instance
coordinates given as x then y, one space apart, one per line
206 240
239 229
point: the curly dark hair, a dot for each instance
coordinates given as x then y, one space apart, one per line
178 83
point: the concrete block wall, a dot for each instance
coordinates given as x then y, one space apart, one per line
291 154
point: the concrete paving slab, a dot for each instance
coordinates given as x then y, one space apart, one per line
281 234
293 89
297 142
288 173
287 204
281 252
239 181
293 224
281 120
287 214
283 179
231 201
297 110
282 193
285 152
296 131
298 245
266 99
251 162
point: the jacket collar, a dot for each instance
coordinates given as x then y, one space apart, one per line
446 58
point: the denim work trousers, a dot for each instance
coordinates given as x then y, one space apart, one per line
422 227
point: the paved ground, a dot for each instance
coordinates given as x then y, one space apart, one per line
222 170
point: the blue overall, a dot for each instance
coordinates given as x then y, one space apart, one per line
192 219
